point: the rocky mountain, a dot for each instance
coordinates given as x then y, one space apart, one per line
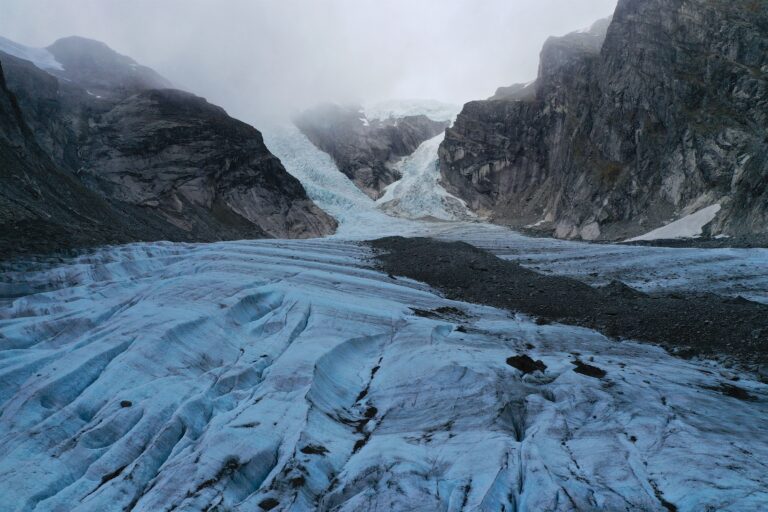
156 163
101 70
630 125
366 149
45 207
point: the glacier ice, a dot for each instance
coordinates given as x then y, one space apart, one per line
396 108
40 57
419 194
291 375
235 375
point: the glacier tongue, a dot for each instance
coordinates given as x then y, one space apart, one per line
289 374
418 194
355 212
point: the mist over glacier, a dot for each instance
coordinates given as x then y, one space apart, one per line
309 314
260 59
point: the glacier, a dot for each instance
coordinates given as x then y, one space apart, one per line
292 375
419 194
40 57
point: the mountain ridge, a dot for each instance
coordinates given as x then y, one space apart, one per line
665 118
113 127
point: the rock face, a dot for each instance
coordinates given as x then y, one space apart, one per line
165 163
665 117
363 149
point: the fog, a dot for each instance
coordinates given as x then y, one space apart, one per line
259 58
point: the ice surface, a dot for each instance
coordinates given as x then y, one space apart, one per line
435 110
40 57
418 194
357 214
184 377
731 272
689 226
241 375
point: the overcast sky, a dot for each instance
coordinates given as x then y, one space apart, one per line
258 56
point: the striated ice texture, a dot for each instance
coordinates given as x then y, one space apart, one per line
288 374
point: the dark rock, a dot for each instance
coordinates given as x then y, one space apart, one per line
732 391
365 150
616 138
589 370
268 504
179 155
314 449
619 289
126 403
525 364
297 481
82 168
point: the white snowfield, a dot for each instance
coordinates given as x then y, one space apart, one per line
690 226
289 374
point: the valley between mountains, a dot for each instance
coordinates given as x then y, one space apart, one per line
553 299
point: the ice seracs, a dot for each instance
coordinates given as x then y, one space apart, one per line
419 194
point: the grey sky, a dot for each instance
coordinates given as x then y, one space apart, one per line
260 56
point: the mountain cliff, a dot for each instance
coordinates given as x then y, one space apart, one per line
629 126
166 164
366 149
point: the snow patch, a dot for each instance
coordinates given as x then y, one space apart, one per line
690 226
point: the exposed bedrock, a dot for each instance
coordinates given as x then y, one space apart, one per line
615 138
363 149
165 163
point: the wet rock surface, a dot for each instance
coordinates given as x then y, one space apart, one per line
365 150
616 138
687 323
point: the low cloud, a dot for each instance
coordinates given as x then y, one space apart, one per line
260 58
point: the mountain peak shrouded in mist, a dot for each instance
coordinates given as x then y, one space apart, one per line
371 303
104 151
261 59
102 70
